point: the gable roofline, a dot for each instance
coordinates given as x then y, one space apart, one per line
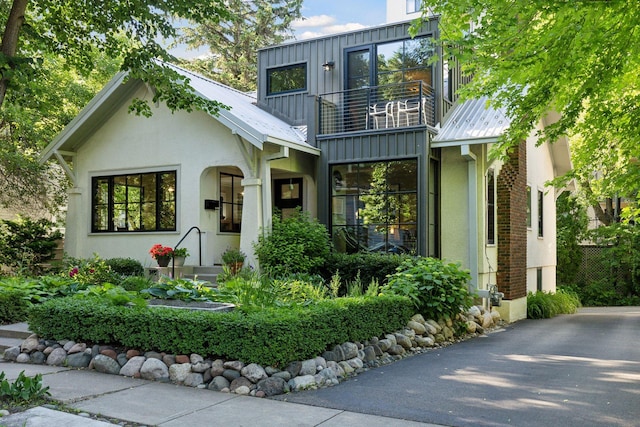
119 89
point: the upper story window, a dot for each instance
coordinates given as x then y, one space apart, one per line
413 6
292 78
134 202
404 61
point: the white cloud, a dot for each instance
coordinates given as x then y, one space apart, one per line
322 25
313 21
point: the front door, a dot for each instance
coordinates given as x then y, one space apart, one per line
288 195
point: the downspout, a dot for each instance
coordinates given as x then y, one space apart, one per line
472 214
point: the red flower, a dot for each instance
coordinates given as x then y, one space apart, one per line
73 272
159 250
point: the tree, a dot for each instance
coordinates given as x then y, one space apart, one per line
31 117
233 43
578 58
130 30
54 57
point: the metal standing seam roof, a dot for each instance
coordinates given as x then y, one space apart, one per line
472 122
244 114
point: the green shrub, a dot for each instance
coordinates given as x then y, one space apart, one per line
91 271
179 289
361 267
436 289
111 294
272 336
125 266
136 283
296 244
26 244
571 225
544 305
13 306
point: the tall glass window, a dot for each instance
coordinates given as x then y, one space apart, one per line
231 198
134 202
374 206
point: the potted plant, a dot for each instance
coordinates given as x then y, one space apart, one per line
162 254
179 255
234 259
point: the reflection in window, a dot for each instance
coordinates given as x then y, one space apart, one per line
404 61
374 206
291 78
134 202
231 197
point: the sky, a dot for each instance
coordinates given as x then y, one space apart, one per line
324 17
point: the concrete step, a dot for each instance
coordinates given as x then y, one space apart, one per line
204 273
13 335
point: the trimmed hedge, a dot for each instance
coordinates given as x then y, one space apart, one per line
13 306
273 336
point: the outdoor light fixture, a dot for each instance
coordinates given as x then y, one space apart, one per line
328 66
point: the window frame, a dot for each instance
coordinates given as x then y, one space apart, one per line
231 205
413 6
491 207
111 203
284 68
540 213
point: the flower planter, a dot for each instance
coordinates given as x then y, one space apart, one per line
163 260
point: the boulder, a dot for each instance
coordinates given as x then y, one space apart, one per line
154 369
102 363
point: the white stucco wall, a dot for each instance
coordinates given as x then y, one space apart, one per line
541 251
196 145
454 227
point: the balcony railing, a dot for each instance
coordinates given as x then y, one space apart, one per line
378 107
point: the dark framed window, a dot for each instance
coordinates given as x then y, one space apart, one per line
540 213
288 195
231 197
528 206
491 207
374 206
134 202
292 78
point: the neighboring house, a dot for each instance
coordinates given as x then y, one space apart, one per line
360 129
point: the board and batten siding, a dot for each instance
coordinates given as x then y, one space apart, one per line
314 52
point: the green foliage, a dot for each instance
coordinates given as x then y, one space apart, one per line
621 256
234 42
360 267
296 244
125 266
273 336
571 226
25 244
544 305
436 289
248 291
112 294
36 290
180 289
91 271
137 283
588 77
23 390
233 256
13 306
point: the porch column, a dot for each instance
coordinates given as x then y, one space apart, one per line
75 224
252 207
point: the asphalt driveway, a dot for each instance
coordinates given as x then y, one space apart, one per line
572 370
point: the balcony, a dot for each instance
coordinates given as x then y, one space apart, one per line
392 106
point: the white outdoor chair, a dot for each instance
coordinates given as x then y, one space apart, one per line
381 111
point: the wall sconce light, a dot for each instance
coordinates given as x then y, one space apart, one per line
211 204
328 66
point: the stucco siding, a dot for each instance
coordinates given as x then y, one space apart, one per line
454 207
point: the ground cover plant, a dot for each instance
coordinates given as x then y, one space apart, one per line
544 305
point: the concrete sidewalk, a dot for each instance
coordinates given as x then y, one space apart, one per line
153 403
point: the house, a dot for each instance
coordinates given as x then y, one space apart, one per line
361 129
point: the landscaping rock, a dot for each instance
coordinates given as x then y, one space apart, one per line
82 360
179 371
272 386
132 367
56 357
218 383
30 344
254 372
304 382
12 353
308 367
78 348
193 380
154 369
104 364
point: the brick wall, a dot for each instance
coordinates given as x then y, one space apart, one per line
512 224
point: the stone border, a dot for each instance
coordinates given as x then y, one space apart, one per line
335 365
